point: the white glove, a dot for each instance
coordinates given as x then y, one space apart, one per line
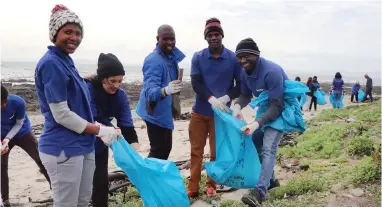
173 87
250 128
236 112
225 99
136 146
108 134
4 146
216 103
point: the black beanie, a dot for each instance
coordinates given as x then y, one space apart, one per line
213 24
109 65
247 45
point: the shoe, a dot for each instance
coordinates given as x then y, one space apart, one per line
274 184
192 194
211 192
252 199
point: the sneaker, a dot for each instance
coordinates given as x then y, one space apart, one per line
192 194
252 199
274 184
211 192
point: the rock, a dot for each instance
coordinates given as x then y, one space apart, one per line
347 196
351 119
332 200
336 188
357 192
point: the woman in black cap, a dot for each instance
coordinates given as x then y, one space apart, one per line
108 101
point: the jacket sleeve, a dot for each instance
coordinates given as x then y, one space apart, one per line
125 120
275 84
245 92
152 80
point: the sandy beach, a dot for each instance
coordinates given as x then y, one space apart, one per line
26 182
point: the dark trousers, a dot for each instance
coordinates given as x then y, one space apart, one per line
313 101
100 193
160 141
354 95
368 93
29 144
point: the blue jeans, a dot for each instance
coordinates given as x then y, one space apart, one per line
266 143
337 98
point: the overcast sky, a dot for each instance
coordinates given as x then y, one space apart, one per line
349 30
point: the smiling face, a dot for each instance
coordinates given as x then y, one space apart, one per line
112 84
68 38
247 60
166 39
214 40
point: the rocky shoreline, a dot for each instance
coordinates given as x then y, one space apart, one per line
28 92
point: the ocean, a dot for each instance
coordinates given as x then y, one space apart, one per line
12 71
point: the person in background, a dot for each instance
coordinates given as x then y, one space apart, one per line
260 75
309 94
108 101
298 79
369 88
160 81
215 78
337 88
314 86
354 92
16 130
66 145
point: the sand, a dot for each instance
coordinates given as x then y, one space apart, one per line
26 182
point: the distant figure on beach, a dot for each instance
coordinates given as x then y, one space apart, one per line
309 94
66 144
354 92
260 75
215 78
16 130
298 79
338 89
369 88
314 86
108 101
160 82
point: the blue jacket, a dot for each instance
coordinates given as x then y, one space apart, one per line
355 88
159 69
105 107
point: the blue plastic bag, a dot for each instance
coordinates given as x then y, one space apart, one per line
302 100
336 104
158 182
237 163
361 95
291 118
320 95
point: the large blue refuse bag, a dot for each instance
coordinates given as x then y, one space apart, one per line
361 95
237 163
336 104
302 100
320 95
158 182
291 118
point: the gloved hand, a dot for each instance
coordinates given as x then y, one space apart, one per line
136 146
216 103
173 87
4 146
108 134
236 112
225 99
250 128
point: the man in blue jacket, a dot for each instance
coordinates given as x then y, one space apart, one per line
215 78
260 75
160 81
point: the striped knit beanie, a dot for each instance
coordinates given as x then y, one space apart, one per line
213 24
248 46
60 16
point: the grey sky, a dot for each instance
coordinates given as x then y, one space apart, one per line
349 30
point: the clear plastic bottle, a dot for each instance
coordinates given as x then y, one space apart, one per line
214 203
